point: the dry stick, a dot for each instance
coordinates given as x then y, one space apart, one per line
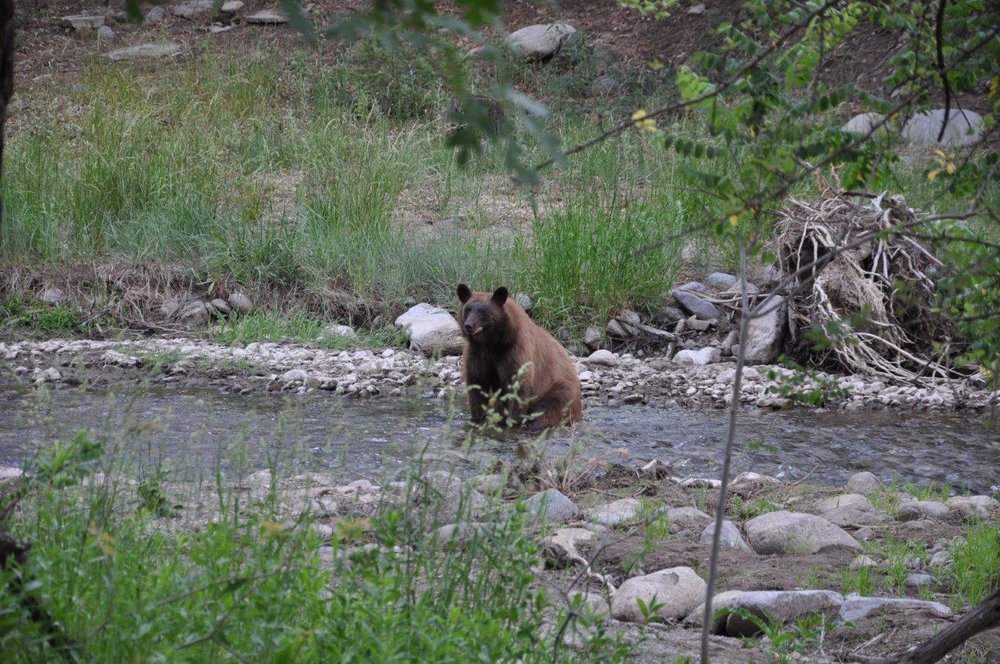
727 459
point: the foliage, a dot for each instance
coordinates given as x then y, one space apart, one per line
976 568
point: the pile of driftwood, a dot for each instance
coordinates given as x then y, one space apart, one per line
858 277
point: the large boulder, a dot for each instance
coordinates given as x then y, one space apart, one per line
919 509
863 482
539 41
613 513
781 605
693 304
863 124
795 533
973 507
729 538
766 332
676 591
551 505
963 128
432 330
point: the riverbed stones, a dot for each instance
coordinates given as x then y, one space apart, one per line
195 313
144 51
221 307
154 15
593 337
54 296
699 358
231 7
192 8
721 280
448 496
552 506
432 330
105 33
560 549
267 17
613 513
685 518
919 509
730 536
676 591
766 331
795 533
856 607
602 357
537 42
863 123
863 482
782 605
853 500
240 302
695 305
973 507
964 127
119 359
84 22
50 375
338 331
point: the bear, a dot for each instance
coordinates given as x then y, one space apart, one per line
499 340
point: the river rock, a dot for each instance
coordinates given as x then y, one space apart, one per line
105 33
294 376
593 337
551 506
560 549
432 330
941 559
81 22
602 357
593 603
52 296
854 517
863 124
267 17
693 304
677 591
231 7
973 507
448 495
730 538
766 332
863 561
458 535
918 579
8 473
540 41
795 533
699 358
684 518
782 605
144 51
863 482
721 280
614 513
668 316
221 307
918 509
963 128
856 607
192 8
120 359
524 301
855 500
195 313
338 331
50 375
153 16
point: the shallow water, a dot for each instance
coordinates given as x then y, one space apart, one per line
200 430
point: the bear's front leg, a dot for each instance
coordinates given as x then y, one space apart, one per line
477 404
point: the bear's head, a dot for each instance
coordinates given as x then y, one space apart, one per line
482 318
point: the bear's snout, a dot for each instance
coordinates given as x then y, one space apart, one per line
468 328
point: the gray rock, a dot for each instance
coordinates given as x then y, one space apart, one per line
918 579
721 280
854 500
669 316
730 536
144 51
593 337
736 290
697 9
863 562
551 506
84 21
781 605
863 482
120 359
693 304
8 473
492 484
863 124
698 325
603 85
448 495
52 296
560 548
699 358
524 301
694 287
267 17
594 603
195 313
856 608
683 518
864 534
630 317
766 332
614 513
192 8
432 330
918 509
963 128
153 16
539 41
221 307
338 331
294 376
941 559
105 33
620 329
677 590
241 302
973 507
795 533
50 375
231 7
458 535
602 358
852 516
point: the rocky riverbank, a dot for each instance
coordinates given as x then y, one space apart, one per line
607 378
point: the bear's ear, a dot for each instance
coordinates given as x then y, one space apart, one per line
463 293
500 296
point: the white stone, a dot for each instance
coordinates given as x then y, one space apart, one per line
682 518
730 536
192 8
766 332
267 17
863 482
782 605
698 358
432 330
795 533
602 357
338 331
231 7
552 505
854 500
676 592
84 21
856 607
613 513
973 507
863 123
144 51
963 128
539 41
916 509
153 16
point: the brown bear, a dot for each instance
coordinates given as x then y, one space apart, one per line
499 340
